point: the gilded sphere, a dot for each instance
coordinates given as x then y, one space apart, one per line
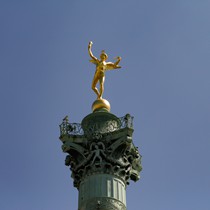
101 104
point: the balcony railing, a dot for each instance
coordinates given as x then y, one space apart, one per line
73 129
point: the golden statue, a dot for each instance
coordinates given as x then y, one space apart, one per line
101 67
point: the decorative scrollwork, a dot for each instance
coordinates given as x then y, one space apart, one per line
108 149
126 121
72 129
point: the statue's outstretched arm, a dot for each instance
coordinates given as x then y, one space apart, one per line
110 65
118 60
90 52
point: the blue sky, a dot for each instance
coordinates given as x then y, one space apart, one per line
164 83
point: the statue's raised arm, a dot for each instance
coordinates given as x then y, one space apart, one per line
94 59
110 65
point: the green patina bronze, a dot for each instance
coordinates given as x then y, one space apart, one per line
102 158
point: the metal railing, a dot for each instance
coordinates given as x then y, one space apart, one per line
73 129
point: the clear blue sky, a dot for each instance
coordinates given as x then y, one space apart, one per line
164 83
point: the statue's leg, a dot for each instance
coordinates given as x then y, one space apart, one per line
94 88
102 80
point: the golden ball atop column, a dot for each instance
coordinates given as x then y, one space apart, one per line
101 105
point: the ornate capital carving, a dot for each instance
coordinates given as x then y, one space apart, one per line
105 146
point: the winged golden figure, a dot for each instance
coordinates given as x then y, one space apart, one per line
101 67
